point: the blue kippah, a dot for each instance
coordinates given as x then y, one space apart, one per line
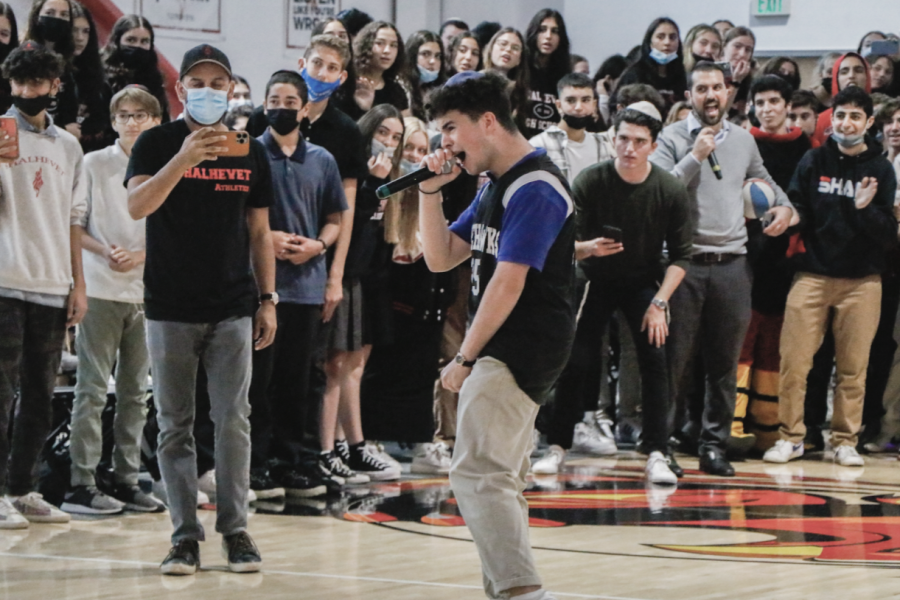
463 77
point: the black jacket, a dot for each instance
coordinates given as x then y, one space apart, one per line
839 240
646 70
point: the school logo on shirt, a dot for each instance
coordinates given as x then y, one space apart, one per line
222 175
833 185
38 182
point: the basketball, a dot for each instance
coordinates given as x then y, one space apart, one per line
758 198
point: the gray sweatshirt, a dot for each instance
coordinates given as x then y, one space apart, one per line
718 205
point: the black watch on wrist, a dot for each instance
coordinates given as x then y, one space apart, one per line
272 297
463 361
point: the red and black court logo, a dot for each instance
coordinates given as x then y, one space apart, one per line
755 517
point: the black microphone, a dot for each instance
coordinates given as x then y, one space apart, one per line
409 180
714 165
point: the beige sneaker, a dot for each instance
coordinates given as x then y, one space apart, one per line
10 518
33 507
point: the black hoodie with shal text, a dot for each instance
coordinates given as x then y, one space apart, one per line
837 239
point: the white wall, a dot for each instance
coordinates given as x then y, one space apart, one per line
253 33
600 28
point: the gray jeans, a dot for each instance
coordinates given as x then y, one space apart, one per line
710 314
175 352
112 333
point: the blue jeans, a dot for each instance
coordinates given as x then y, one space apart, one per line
225 348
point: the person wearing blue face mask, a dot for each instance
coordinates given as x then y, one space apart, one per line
424 70
209 284
662 62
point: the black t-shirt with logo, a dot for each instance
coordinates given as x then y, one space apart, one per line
540 105
198 242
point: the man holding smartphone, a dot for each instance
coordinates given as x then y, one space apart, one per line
625 209
207 224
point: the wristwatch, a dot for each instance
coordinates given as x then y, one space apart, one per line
273 298
463 361
660 303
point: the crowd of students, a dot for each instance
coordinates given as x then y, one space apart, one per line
280 288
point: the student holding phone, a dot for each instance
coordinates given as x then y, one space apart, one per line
207 224
624 210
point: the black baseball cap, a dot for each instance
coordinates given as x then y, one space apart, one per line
201 54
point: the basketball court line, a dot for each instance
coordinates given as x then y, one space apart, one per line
138 563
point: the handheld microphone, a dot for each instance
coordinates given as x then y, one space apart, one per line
714 165
409 180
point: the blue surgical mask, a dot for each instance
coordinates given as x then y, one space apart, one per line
379 148
318 90
206 105
427 76
407 166
661 57
848 141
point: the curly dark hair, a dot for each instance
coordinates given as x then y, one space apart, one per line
474 97
32 61
559 63
362 50
89 72
411 73
65 48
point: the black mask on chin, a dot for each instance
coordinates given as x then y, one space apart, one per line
698 58
136 58
578 122
53 29
33 106
282 120
826 83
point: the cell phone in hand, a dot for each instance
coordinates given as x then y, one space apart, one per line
10 126
726 67
611 233
766 220
237 143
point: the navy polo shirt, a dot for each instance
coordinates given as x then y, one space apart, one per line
307 187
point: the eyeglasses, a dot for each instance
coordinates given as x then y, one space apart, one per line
139 117
503 45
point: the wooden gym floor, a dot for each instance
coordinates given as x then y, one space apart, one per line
809 529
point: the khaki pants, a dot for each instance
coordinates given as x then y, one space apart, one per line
857 306
490 463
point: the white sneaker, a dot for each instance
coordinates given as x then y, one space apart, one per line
33 507
783 451
847 456
658 470
589 440
10 517
550 463
377 448
431 459
203 498
206 483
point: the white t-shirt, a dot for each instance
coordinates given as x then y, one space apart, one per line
582 155
109 223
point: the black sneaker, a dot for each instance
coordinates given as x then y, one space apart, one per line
342 449
298 485
88 500
331 462
241 552
264 486
183 559
362 460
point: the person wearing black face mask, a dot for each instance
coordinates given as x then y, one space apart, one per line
569 145
305 221
130 58
50 25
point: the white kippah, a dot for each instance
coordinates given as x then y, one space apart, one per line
646 108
